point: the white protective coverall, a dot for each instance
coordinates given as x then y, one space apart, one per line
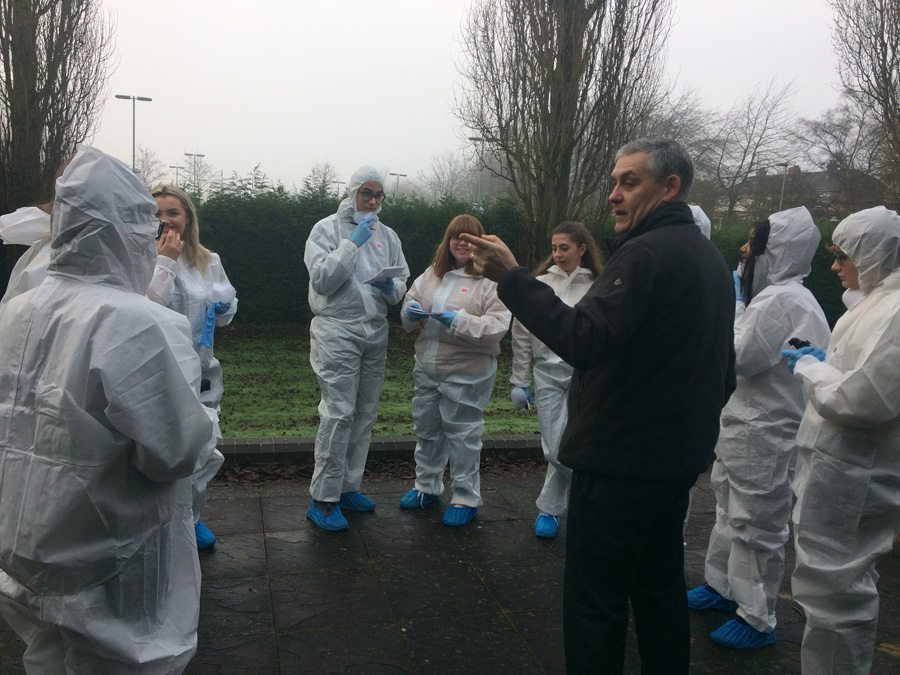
552 376
348 337
702 220
180 286
100 426
28 226
756 448
848 468
454 377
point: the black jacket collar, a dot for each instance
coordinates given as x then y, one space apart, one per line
673 213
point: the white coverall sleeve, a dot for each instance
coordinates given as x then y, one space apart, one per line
398 260
760 333
522 355
221 284
150 401
162 284
330 262
489 328
865 396
412 295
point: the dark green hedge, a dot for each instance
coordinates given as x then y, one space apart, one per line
261 239
261 236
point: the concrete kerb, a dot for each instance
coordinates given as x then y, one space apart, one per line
284 450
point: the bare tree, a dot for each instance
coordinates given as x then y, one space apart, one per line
55 56
683 117
200 178
846 135
449 173
554 88
150 167
866 37
753 135
323 174
846 142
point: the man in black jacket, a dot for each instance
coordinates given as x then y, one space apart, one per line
653 352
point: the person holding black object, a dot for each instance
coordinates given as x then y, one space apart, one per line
652 347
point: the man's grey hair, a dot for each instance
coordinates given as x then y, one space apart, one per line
667 157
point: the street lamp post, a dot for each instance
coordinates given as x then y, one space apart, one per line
177 169
134 100
195 156
783 179
479 139
399 175
338 183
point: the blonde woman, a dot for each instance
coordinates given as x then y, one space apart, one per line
190 280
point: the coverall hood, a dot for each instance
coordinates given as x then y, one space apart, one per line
103 224
793 239
363 174
871 239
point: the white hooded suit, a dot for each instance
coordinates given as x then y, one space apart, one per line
848 467
100 427
756 448
552 377
348 338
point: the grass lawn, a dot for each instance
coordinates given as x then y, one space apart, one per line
271 391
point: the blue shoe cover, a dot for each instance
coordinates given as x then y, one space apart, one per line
333 523
703 598
458 514
736 635
546 526
354 501
415 499
205 538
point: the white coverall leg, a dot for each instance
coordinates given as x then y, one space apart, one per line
86 646
200 478
757 438
448 414
551 390
840 533
47 645
350 370
745 558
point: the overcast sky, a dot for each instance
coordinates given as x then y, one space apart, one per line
288 83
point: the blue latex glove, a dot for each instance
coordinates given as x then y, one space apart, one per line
386 287
446 318
207 337
521 397
363 231
222 307
794 355
410 306
739 294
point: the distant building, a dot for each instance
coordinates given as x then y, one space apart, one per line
832 194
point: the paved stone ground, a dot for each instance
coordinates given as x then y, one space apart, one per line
401 593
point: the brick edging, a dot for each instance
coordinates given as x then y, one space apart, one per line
290 449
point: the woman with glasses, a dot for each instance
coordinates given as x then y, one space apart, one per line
848 464
460 321
569 270
756 448
356 269
190 279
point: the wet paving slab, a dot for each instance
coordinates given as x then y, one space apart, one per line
399 592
